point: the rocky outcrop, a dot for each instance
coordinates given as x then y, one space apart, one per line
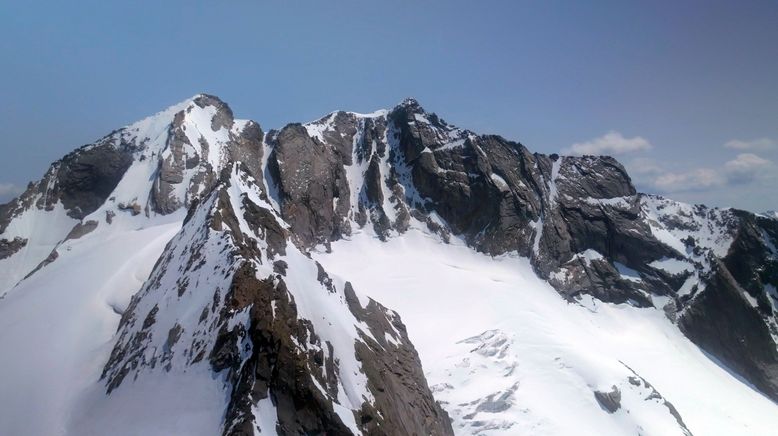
344 368
649 393
82 181
723 322
82 229
85 178
195 154
8 248
313 190
610 401
403 401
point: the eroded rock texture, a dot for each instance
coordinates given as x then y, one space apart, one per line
275 329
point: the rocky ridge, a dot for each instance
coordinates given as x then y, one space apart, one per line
231 292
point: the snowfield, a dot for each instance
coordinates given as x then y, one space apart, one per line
57 327
508 356
503 352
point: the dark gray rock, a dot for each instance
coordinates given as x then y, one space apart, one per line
9 248
341 137
82 229
722 322
403 400
609 401
600 279
223 117
171 168
49 259
85 178
247 149
310 178
638 381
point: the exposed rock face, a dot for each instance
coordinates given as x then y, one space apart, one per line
348 369
49 259
403 402
81 181
82 229
85 178
311 184
8 248
610 401
723 322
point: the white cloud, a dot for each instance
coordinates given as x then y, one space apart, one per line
756 144
612 143
743 169
744 178
8 190
746 167
695 180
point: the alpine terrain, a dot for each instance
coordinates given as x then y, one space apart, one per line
376 274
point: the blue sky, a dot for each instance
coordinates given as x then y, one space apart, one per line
684 93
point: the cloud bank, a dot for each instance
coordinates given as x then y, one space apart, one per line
745 176
756 144
745 168
9 190
611 143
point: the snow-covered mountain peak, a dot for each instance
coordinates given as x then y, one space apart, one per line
215 229
151 168
410 104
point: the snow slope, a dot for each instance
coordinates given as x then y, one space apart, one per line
508 356
44 230
65 315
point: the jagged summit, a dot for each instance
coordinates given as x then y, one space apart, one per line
170 111
204 229
410 103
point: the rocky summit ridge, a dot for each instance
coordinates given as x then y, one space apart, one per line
236 292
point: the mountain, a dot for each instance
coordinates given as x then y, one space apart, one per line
193 274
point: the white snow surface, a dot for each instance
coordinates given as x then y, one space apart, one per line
694 231
672 266
57 326
549 355
706 226
43 231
